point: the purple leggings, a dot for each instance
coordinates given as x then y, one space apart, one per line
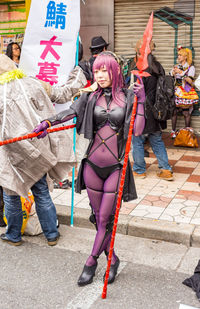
103 198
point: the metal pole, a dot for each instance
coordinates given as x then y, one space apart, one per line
74 148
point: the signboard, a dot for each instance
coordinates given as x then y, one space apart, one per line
49 46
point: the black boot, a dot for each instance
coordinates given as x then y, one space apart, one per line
87 275
113 271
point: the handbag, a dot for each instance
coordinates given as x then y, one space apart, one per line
186 138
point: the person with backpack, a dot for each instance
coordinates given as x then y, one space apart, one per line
185 94
152 126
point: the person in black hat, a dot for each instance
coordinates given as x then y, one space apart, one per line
98 45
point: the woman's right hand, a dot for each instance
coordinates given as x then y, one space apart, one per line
42 127
138 90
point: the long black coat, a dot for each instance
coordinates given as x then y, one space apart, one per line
151 124
155 69
83 108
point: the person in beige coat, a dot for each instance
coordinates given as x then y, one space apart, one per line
32 164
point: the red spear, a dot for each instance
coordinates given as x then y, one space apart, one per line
31 135
142 64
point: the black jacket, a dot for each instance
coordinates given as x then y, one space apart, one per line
155 69
83 109
151 124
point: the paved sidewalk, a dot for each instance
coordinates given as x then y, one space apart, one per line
165 210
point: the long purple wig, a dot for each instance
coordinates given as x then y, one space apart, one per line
114 71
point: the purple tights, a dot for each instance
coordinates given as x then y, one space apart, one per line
103 197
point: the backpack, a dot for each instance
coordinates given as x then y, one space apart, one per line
165 98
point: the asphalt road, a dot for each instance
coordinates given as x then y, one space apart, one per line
36 276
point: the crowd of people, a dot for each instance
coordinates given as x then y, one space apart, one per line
102 111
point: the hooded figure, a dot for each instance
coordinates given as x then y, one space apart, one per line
23 102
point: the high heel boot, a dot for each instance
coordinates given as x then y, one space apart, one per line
87 275
113 271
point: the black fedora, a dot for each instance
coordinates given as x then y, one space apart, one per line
98 42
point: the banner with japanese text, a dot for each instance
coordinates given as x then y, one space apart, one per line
49 46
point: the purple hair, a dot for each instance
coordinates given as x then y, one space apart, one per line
114 71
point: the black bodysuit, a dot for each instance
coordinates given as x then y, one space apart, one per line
115 119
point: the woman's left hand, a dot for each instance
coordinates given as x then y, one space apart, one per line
42 127
139 91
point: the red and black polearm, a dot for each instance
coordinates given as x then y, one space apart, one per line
142 64
31 135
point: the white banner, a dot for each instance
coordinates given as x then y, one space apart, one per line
49 46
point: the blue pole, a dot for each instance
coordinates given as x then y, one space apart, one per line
74 148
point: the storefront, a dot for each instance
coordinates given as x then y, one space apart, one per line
12 22
122 23
175 23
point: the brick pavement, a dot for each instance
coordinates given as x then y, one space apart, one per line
160 200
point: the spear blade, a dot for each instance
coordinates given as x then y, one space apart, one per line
142 63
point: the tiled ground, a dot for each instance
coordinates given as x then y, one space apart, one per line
177 200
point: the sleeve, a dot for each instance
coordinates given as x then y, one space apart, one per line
150 89
76 109
63 94
61 117
191 72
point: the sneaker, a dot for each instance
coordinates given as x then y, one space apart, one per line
57 185
10 242
61 185
53 241
141 176
165 174
173 134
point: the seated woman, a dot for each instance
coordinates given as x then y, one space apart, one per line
103 117
185 94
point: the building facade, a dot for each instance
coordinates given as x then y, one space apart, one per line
122 23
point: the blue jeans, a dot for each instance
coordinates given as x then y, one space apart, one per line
158 148
45 209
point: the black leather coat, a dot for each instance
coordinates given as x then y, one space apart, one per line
83 109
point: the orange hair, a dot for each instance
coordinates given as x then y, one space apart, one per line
187 53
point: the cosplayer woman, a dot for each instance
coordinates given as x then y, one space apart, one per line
103 117
185 95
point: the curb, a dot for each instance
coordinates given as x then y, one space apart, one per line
180 233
